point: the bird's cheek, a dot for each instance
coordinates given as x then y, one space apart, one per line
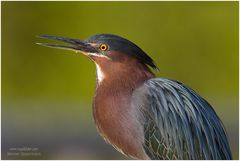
98 57
104 53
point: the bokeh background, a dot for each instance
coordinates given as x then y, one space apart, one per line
47 93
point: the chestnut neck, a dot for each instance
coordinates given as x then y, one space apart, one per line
121 73
113 113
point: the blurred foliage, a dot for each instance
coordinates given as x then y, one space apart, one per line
47 93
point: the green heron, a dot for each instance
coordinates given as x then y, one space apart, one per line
142 116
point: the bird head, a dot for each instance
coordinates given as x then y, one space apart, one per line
107 51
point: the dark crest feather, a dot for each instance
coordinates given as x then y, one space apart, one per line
121 44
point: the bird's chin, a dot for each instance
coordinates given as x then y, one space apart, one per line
95 56
87 54
91 56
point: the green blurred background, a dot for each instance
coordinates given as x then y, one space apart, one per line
47 93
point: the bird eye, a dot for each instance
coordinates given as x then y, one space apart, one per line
103 47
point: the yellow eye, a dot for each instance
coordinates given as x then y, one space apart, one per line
103 47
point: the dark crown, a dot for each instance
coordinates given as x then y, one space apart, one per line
118 43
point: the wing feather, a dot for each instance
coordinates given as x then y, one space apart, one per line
180 124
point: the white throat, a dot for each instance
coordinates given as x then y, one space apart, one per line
100 74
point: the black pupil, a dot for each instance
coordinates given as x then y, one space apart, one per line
103 47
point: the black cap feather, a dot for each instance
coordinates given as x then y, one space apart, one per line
121 44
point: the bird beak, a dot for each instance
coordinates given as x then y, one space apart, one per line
75 45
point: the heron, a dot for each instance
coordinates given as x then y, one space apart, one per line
142 116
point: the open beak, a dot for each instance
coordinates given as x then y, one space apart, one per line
75 45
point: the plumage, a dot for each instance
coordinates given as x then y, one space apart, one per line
142 116
180 124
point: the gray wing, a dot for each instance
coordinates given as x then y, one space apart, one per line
180 124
